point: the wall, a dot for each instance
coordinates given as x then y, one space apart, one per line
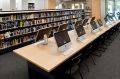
0 4
18 4
25 4
96 8
5 5
102 8
8 5
68 4
12 4
51 4
39 4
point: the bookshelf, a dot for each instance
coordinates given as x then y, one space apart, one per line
19 28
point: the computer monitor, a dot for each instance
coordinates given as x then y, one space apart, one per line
43 35
92 19
94 26
107 21
109 18
100 23
114 17
78 23
63 27
62 40
55 29
85 22
79 29
118 15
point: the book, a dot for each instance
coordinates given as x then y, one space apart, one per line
21 23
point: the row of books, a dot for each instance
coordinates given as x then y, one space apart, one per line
16 41
24 26
18 24
36 15
18 32
52 14
29 30
9 18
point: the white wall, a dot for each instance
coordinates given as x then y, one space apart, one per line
18 4
0 4
102 8
25 4
12 4
39 4
5 4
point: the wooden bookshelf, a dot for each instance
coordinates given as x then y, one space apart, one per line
17 28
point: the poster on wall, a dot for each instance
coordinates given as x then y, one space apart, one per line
31 6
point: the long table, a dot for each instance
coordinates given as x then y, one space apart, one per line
48 57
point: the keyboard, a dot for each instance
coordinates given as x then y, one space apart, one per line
68 51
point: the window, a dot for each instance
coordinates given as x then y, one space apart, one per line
112 6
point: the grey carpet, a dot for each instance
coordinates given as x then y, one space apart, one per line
107 66
13 67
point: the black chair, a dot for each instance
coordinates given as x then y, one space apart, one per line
77 60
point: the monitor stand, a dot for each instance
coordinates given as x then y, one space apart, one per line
95 31
86 26
109 24
82 39
44 41
66 49
101 27
115 20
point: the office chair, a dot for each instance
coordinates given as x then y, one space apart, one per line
88 52
76 60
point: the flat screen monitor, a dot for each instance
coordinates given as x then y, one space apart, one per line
85 22
92 19
100 23
79 29
62 38
118 15
77 24
94 25
41 33
107 20
63 27
55 29
114 18
110 18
